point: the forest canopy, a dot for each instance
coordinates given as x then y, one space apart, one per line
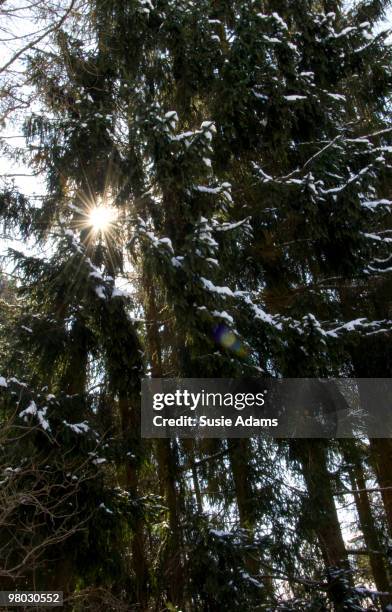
192 189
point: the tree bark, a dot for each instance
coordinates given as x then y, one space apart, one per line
369 531
130 421
352 456
377 403
381 457
125 369
167 466
313 459
239 456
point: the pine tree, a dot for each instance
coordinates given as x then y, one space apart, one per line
243 150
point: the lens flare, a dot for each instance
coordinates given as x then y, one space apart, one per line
101 218
228 340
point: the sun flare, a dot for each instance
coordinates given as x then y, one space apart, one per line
102 217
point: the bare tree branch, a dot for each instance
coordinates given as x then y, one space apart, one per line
36 41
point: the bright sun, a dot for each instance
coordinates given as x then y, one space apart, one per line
102 217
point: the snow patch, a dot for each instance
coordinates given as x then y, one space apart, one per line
103 507
223 315
40 413
78 428
224 291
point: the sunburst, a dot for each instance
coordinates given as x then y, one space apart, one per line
102 218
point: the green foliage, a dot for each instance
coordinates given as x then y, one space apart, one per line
246 149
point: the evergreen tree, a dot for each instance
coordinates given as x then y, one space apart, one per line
229 162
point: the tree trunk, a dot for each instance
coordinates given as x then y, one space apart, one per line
173 564
313 459
378 405
130 422
371 537
239 456
353 457
381 457
75 376
62 571
196 484
167 466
